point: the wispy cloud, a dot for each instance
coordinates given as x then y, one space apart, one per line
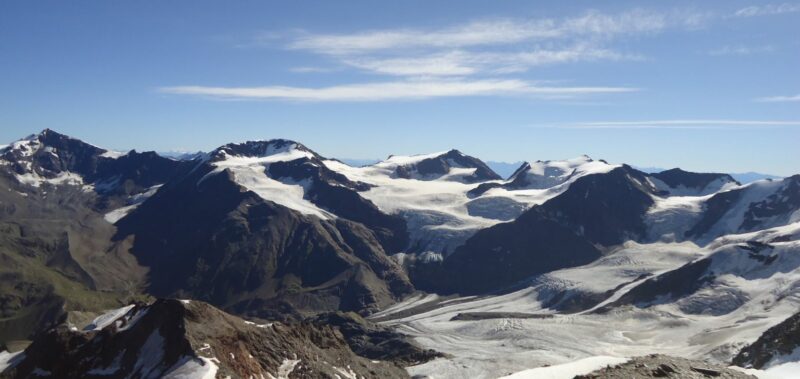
397 90
459 63
779 99
474 58
741 50
766 10
311 69
675 124
487 47
482 33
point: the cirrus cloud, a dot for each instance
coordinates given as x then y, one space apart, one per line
778 99
394 90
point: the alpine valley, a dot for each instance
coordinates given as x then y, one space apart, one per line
264 259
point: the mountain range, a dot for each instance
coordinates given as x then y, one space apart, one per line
435 263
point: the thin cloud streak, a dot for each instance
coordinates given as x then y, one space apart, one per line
741 50
494 32
400 90
459 63
779 99
767 10
675 124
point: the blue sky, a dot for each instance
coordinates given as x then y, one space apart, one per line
706 86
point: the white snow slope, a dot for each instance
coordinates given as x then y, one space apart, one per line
251 173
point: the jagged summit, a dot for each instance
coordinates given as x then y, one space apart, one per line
50 158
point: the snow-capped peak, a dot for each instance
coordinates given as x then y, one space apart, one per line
249 162
451 165
402 160
271 150
53 143
677 182
546 174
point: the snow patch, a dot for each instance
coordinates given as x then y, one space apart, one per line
347 373
150 357
568 370
108 318
9 360
134 202
286 368
113 154
193 368
111 368
251 173
35 180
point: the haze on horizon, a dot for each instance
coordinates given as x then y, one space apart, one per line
706 87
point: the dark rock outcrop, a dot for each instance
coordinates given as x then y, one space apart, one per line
374 341
663 366
698 182
777 341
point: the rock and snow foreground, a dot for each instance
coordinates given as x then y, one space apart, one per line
190 339
558 270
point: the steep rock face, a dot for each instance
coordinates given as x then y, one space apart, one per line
474 170
172 338
205 236
771 347
600 209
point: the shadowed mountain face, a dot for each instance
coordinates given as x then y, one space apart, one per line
55 244
596 210
682 182
205 236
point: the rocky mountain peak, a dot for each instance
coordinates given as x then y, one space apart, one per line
263 149
685 183
451 165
